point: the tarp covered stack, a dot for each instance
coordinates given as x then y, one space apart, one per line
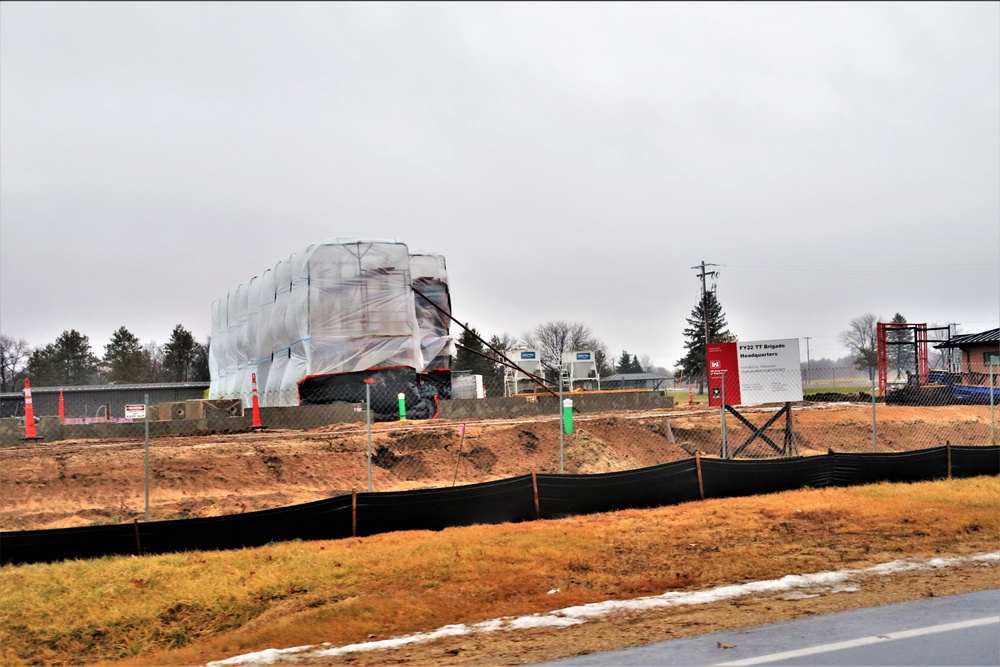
320 322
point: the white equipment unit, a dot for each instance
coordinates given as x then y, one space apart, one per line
581 369
514 380
467 386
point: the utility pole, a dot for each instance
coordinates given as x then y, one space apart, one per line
704 296
704 308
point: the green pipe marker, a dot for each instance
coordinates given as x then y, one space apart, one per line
402 406
568 415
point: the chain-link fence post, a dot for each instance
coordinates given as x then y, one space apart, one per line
145 419
368 421
993 424
562 425
871 374
722 414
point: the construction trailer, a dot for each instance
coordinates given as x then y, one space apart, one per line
320 323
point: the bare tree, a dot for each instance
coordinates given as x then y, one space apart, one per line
860 340
551 339
941 359
503 342
13 357
152 355
647 365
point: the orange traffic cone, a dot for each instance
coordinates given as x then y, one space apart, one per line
257 426
29 413
690 395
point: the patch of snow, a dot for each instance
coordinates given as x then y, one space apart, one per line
839 581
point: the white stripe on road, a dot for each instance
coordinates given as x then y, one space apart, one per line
864 641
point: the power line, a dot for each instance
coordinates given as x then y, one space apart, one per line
839 269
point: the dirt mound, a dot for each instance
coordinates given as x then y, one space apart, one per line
73 483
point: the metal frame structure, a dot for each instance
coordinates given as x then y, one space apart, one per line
919 344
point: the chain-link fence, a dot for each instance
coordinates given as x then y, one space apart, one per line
391 430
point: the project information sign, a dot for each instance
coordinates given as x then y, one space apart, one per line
755 372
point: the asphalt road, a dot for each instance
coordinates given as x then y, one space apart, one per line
955 630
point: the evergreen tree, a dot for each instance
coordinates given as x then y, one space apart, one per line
692 364
124 357
476 358
199 364
68 361
629 364
900 353
624 363
179 355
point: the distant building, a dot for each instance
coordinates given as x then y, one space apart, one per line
93 400
978 354
648 381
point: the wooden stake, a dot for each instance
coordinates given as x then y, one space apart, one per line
701 484
534 486
354 513
138 545
947 448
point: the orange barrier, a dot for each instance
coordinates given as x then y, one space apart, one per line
257 426
62 408
29 413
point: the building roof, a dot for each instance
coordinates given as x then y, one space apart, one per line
965 340
151 386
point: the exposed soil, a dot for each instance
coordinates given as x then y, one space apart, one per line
84 482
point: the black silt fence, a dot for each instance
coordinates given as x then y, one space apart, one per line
503 501
975 461
569 495
724 480
517 499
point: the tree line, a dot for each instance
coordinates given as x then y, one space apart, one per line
70 360
551 339
861 340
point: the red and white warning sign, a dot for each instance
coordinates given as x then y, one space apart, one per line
760 371
135 411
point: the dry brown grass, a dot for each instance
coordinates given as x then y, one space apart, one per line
185 608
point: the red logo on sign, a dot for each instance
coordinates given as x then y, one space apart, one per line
716 364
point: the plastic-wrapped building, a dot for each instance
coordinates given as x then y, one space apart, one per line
319 323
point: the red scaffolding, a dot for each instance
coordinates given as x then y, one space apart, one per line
919 343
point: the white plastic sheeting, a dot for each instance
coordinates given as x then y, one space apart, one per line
430 277
341 306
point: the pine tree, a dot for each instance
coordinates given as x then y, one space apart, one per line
179 354
900 352
636 366
67 362
624 363
474 357
629 363
124 358
692 364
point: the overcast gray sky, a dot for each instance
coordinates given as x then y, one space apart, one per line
571 161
